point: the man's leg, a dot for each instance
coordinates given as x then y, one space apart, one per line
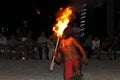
77 67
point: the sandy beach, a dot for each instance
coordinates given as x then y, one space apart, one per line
39 70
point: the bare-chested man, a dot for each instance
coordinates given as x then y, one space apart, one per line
69 52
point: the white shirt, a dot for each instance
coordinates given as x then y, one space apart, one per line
95 43
3 40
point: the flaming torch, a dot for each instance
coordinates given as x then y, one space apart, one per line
63 18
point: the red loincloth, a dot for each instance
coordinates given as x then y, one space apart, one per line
69 67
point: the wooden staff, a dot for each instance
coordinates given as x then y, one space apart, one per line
52 62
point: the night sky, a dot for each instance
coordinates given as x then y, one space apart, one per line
12 12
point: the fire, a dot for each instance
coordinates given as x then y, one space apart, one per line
38 12
63 19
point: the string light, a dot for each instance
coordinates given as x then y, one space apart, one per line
83 19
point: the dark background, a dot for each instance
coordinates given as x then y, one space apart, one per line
12 13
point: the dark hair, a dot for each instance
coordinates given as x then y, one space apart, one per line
68 32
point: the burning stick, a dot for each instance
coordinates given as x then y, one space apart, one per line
63 18
52 63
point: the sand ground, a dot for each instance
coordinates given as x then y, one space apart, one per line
39 70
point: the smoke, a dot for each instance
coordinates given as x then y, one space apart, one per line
95 3
91 4
77 5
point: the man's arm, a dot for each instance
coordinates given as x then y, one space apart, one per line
58 57
80 47
18 32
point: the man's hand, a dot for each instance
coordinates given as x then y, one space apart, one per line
54 53
85 60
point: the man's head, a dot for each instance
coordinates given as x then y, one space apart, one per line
25 22
68 32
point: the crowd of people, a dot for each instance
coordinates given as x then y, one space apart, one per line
22 44
96 45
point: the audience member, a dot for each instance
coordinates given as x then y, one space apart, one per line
96 47
43 46
3 45
88 46
107 47
116 46
24 30
51 45
12 43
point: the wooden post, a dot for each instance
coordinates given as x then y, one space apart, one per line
110 19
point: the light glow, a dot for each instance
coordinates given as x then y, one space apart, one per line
63 19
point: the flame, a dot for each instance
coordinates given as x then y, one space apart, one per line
62 20
38 11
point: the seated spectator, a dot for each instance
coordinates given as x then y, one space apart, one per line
3 45
12 44
106 46
116 46
88 46
51 45
96 47
43 46
29 47
21 49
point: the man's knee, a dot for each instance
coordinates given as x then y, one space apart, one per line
77 67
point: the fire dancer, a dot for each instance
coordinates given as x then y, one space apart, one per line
70 52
